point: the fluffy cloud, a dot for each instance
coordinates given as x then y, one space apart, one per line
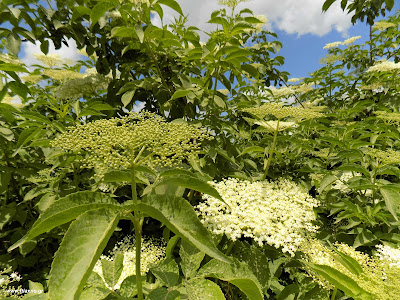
66 53
292 16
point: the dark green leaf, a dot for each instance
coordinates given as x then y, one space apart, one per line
392 200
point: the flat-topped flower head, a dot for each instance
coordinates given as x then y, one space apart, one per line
386 157
333 45
49 60
152 252
351 40
277 213
280 111
388 117
115 143
381 25
384 66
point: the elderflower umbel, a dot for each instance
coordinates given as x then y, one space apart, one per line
278 213
277 110
49 60
389 117
61 75
351 40
115 143
384 66
332 45
384 157
381 25
379 276
151 253
392 255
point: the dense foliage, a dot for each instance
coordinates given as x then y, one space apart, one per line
163 167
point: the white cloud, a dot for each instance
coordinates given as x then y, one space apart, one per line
66 53
292 16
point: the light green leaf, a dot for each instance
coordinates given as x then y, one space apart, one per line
341 281
127 97
179 216
191 182
139 32
200 288
237 273
13 43
12 68
65 210
112 269
94 292
348 262
167 271
79 250
392 200
191 259
128 286
326 181
251 149
180 93
99 11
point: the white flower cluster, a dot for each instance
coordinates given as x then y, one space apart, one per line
345 42
342 183
384 66
152 252
389 254
278 213
7 290
381 25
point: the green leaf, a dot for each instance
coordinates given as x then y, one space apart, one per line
117 176
200 288
191 259
237 273
94 292
162 293
389 4
12 68
26 136
13 43
326 181
180 93
167 271
128 286
65 210
348 262
327 4
112 269
79 250
340 280
139 33
172 4
179 216
127 97
252 149
99 11
191 182
392 200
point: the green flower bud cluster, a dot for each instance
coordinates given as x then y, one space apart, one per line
115 143
61 75
280 112
384 157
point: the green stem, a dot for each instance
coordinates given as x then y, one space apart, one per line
333 297
230 246
138 234
271 151
138 239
